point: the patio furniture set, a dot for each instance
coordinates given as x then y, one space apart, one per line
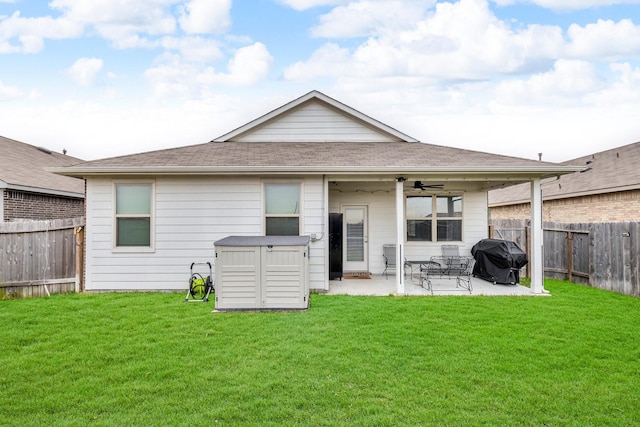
450 265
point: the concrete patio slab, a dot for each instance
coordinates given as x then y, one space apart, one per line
379 285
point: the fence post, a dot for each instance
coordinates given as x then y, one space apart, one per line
570 256
79 233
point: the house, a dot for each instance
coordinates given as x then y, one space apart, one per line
606 190
150 215
30 192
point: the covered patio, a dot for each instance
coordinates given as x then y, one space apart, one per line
416 215
379 285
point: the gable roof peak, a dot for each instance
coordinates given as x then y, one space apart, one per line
332 104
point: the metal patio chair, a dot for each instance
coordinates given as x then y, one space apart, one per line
389 254
450 250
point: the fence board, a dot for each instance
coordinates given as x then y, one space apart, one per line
634 262
38 253
604 255
581 257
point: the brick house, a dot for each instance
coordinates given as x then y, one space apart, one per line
607 190
29 191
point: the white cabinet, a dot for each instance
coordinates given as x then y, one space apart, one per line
262 272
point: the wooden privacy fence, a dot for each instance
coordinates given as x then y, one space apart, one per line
603 255
41 257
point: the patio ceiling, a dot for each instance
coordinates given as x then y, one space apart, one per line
444 185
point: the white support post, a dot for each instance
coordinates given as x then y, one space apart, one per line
400 237
325 229
536 258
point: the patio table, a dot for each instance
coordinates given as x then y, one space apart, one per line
413 265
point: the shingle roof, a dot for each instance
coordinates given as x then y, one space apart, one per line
298 156
607 171
22 166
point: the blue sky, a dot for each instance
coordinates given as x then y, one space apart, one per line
105 78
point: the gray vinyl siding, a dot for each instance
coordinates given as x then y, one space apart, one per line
317 123
190 215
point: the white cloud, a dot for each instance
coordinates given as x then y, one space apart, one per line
329 60
206 16
121 21
249 65
370 17
566 84
31 32
462 40
308 4
31 43
172 78
136 128
85 70
176 78
143 24
568 4
604 39
194 49
9 92
623 91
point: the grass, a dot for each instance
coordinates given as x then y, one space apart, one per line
150 359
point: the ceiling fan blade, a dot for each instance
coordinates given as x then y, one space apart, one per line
418 185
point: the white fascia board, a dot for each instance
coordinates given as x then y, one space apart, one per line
515 172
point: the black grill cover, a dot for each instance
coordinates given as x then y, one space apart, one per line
498 261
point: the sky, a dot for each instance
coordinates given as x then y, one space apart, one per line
106 78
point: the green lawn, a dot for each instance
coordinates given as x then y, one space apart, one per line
151 359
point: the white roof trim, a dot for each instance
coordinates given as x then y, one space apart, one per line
479 171
324 98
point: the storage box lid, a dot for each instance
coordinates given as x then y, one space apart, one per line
263 241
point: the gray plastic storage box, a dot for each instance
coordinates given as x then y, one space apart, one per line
262 273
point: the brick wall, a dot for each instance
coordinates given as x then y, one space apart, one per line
23 205
610 207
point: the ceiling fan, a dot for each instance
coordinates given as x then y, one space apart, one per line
418 185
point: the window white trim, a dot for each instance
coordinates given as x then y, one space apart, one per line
299 215
151 216
435 218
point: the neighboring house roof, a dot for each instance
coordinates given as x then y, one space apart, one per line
315 134
605 172
22 168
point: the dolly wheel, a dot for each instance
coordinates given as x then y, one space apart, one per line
197 287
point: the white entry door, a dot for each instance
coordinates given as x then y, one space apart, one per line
356 237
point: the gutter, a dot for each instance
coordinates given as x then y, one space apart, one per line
542 172
40 190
